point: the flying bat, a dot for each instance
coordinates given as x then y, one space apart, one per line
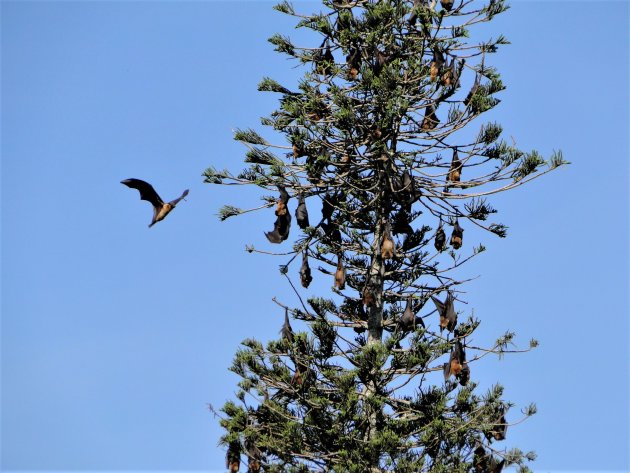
457 236
160 208
446 309
305 272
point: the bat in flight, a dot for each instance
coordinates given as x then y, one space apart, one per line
160 208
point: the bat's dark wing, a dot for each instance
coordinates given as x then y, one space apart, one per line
147 192
176 201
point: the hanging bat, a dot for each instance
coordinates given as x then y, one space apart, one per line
147 192
440 238
254 456
340 274
324 62
388 248
447 4
305 272
430 120
367 297
353 60
457 360
446 309
380 60
436 64
282 225
301 213
455 172
473 90
233 457
499 430
464 376
401 223
286 331
409 320
457 236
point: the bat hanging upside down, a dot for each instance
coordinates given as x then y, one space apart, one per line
160 208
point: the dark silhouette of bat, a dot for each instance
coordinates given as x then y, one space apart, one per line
301 213
447 4
324 61
464 376
499 430
486 463
430 120
353 60
401 223
446 309
409 320
160 208
233 457
305 272
254 456
388 248
440 238
282 225
457 236
455 172
472 92
340 274
286 331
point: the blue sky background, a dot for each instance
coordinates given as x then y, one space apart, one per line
110 354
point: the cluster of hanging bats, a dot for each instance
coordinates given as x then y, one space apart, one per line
447 73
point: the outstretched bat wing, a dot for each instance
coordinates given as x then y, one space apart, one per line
147 192
176 201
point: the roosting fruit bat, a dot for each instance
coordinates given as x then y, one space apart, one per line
499 430
430 120
456 362
464 376
282 225
473 89
367 296
253 457
436 64
324 61
457 236
233 457
408 320
286 331
388 248
446 309
440 238
340 274
301 213
447 4
455 172
401 223
305 272
353 60
147 192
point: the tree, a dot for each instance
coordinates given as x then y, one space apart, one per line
379 137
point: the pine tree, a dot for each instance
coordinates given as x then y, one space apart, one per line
384 170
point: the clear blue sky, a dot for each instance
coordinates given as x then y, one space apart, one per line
115 336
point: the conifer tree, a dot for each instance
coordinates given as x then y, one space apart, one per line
380 168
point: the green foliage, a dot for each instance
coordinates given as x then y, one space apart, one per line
380 380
